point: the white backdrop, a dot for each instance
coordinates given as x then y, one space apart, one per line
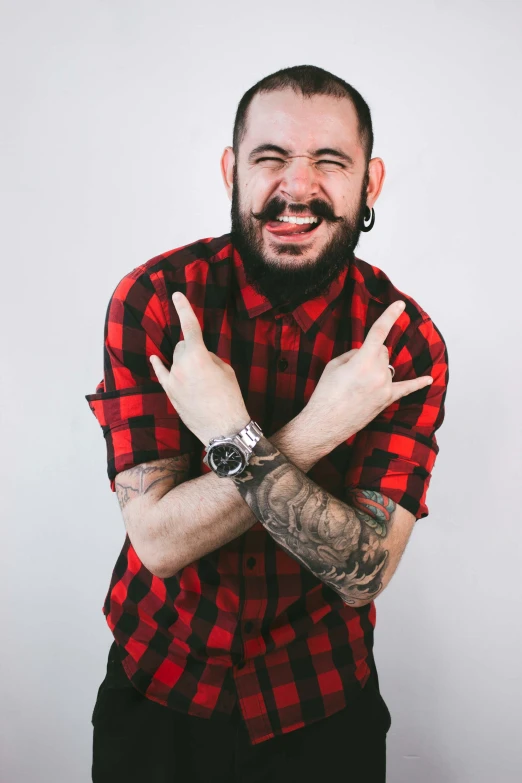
113 118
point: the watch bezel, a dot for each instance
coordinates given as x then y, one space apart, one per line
231 442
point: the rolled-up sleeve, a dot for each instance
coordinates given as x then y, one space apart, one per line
396 452
137 418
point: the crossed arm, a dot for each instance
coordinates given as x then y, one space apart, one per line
173 519
354 547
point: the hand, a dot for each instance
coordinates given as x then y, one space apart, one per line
202 388
356 386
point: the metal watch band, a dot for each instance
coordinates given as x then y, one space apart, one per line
250 434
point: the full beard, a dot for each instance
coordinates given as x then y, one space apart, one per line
286 285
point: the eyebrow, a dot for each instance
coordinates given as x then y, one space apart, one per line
280 151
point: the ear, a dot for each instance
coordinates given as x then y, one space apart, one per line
228 160
376 174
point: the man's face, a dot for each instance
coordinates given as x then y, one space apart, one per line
300 157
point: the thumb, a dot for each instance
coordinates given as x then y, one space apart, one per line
162 374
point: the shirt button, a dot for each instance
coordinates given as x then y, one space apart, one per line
282 364
248 626
251 562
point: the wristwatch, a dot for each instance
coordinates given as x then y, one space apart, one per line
229 457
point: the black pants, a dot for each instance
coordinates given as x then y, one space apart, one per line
136 739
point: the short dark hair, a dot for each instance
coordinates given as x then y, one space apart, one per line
308 80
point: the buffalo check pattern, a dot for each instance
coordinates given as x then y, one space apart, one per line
247 624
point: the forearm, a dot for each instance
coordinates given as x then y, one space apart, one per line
343 545
205 513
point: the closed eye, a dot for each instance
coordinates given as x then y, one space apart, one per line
323 162
331 163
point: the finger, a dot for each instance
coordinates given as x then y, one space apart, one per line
402 388
162 374
216 359
382 326
188 320
178 349
345 357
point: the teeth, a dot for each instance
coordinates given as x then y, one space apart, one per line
298 220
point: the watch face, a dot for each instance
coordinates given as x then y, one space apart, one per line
226 459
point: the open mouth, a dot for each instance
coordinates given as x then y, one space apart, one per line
293 227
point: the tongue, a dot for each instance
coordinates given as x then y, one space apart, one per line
277 227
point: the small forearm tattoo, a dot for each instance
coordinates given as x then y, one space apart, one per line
343 544
143 478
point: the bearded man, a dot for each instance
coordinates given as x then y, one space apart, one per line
270 403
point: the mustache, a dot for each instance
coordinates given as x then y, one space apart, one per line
317 207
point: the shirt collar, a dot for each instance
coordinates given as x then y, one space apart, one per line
307 314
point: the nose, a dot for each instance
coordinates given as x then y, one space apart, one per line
299 182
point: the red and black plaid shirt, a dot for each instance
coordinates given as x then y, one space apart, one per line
247 623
